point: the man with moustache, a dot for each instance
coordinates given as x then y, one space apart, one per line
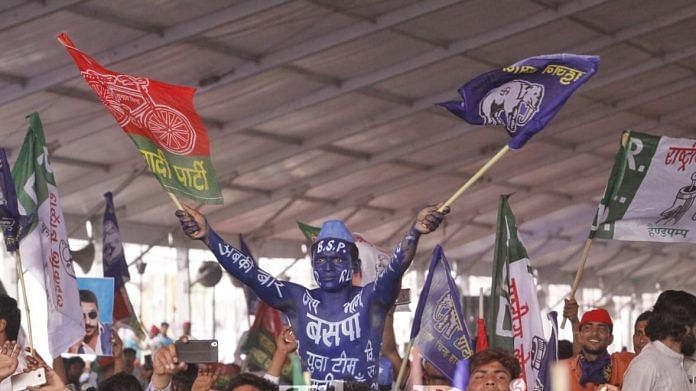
594 368
672 332
97 338
640 338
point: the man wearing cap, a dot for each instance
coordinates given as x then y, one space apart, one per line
593 368
338 326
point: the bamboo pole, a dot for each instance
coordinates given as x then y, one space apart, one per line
20 272
475 177
578 274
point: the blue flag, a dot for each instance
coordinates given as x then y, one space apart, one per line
113 256
523 97
550 356
14 226
439 330
251 298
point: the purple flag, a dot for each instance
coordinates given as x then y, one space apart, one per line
439 330
524 96
550 356
14 226
113 256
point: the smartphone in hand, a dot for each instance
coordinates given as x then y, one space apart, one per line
197 351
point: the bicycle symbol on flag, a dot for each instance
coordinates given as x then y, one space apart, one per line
127 98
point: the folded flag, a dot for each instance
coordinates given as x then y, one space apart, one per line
514 319
161 121
651 190
524 96
439 330
14 225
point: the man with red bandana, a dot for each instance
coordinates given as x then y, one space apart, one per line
593 368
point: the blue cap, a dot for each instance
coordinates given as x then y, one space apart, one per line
335 229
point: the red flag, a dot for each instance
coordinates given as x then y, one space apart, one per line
481 336
162 122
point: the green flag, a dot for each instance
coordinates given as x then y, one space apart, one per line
650 192
45 250
309 232
514 320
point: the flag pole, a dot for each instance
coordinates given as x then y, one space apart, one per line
480 303
176 201
404 363
578 274
474 178
20 272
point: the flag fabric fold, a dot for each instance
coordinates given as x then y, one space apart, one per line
650 192
162 122
115 266
514 319
439 330
550 356
45 251
14 225
524 96
481 335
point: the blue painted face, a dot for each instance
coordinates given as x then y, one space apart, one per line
331 261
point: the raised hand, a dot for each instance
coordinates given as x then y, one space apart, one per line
8 358
207 375
429 219
165 363
53 380
192 222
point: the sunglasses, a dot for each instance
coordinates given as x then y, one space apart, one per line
92 314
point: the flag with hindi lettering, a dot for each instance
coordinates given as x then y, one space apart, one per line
162 122
439 329
514 319
372 258
550 356
260 345
524 96
14 225
115 266
45 252
651 191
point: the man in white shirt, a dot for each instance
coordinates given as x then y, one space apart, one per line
672 332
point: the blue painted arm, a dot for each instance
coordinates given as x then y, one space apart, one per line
386 286
278 294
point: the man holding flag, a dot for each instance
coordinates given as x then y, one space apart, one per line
338 326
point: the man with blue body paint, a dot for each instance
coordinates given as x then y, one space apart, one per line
338 326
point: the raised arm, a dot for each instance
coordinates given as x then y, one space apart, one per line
278 294
387 284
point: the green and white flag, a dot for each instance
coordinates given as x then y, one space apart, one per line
45 252
651 191
514 319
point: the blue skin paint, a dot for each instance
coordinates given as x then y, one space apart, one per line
338 326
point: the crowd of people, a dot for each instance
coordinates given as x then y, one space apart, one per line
335 327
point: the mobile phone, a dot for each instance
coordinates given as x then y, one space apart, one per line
404 296
197 351
21 381
148 362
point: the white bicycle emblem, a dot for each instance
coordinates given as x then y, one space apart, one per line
128 100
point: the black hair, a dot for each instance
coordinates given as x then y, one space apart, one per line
565 349
506 359
88 296
12 316
120 382
252 380
644 316
672 313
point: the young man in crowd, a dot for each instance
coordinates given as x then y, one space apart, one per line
10 318
492 370
640 338
672 332
338 326
593 366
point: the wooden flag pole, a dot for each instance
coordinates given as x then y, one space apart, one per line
474 178
20 272
480 303
176 201
404 362
578 274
